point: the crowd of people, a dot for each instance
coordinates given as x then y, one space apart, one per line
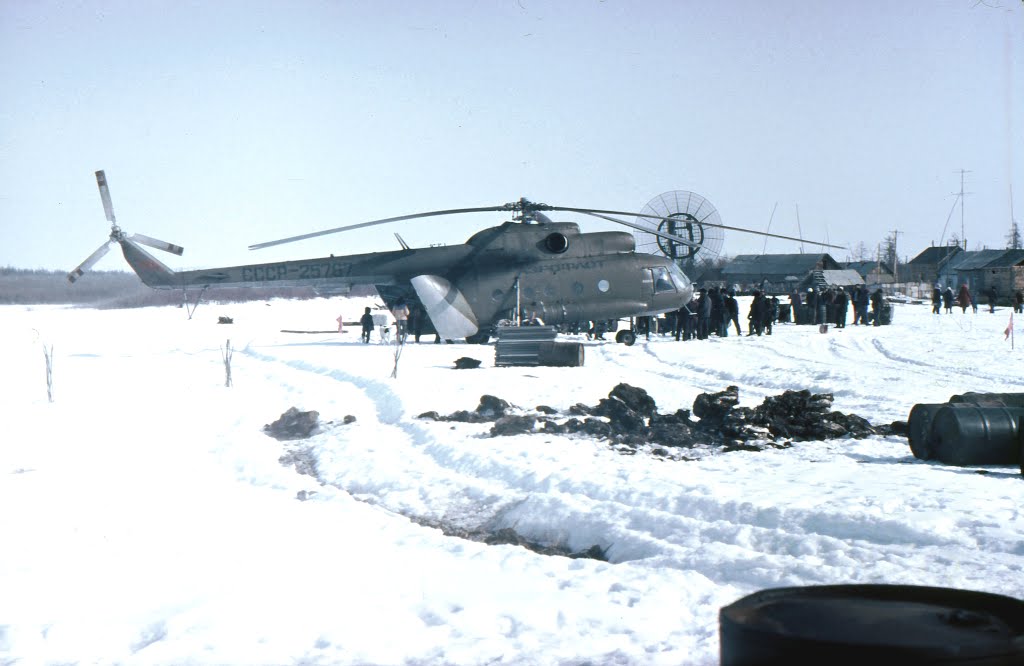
944 299
715 310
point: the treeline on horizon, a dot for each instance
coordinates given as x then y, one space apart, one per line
120 289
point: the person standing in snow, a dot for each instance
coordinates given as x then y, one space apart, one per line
842 303
401 313
963 299
936 300
947 300
1018 302
366 321
992 295
732 306
876 306
861 304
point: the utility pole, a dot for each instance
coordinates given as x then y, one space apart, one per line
963 235
895 255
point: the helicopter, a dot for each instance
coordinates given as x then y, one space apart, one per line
529 266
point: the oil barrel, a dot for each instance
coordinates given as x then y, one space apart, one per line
854 624
560 354
920 426
1004 399
970 434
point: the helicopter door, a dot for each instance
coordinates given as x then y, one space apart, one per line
647 284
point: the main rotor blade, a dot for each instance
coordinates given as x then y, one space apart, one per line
158 244
640 227
589 211
108 207
89 262
315 234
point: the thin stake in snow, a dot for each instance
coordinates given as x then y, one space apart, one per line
1008 333
399 344
225 354
48 353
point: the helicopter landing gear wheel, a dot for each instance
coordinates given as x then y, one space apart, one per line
480 338
626 337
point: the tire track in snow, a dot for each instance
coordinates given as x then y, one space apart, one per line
724 539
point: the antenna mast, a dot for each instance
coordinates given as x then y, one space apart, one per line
963 235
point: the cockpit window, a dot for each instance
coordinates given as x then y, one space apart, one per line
662 282
678 276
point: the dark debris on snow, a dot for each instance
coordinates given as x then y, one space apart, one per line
629 417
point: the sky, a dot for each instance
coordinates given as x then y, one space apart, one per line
148 519
224 124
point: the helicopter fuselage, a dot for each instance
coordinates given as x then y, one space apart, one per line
548 270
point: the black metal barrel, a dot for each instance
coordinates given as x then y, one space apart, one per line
1004 399
865 624
919 425
971 434
562 354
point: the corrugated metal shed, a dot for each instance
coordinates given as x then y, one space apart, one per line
842 278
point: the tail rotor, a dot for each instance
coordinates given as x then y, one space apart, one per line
116 235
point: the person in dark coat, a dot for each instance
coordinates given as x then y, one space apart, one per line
771 313
416 318
732 306
795 307
678 320
813 298
992 295
1018 302
842 304
861 304
876 306
936 299
756 316
366 321
947 300
720 313
703 315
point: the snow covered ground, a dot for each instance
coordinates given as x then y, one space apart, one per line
145 517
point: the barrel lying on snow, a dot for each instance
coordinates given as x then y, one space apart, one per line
971 429
852 624
966 434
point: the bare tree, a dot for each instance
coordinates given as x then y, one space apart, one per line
860 252
1013 239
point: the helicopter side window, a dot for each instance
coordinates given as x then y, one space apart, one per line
662 282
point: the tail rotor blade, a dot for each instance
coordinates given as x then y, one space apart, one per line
158 244
89 262
108 207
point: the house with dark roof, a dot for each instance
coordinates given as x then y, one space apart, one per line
984 268
775 273
872 272
926 266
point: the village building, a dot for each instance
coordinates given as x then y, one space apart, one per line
981 269
927 266
845 278
873 273
775 273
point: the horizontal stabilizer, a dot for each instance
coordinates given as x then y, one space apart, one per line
447 308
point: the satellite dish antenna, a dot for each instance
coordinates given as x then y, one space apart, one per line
690 216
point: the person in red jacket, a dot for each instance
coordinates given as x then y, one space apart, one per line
963 299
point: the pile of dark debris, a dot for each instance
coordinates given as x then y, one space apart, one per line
629 418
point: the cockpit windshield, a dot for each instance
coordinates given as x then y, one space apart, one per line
682 282
662 283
